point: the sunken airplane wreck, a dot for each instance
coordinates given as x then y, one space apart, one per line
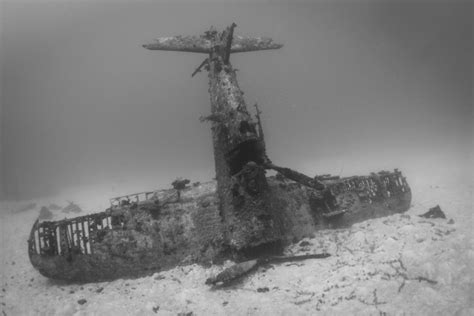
245 216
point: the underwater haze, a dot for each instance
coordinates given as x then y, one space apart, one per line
359 86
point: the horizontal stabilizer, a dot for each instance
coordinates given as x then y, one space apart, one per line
199 44
193 44
248 44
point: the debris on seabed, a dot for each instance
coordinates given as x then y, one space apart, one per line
434 212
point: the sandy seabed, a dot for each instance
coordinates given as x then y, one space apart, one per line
397 265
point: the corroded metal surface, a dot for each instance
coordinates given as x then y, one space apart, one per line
142 238
354 199
203 44
245 215
125 241
239 150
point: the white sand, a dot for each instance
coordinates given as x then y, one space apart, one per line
398 265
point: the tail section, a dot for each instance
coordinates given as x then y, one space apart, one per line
201 44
